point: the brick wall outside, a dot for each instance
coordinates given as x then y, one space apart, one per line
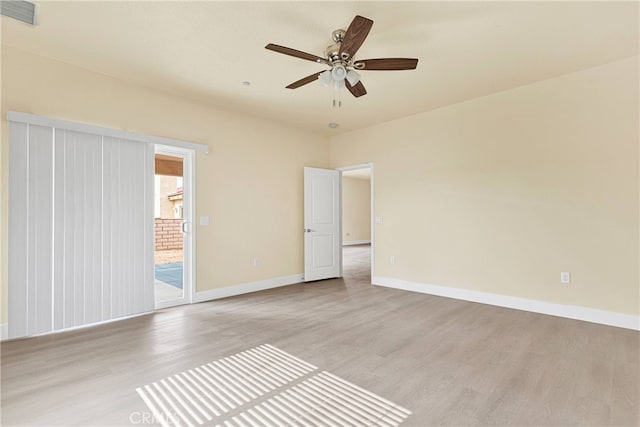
168 234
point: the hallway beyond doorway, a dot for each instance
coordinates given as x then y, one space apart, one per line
356 263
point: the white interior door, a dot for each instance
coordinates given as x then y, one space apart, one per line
322 254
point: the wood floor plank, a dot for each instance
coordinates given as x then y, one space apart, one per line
450 362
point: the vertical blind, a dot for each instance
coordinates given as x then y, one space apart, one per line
80 228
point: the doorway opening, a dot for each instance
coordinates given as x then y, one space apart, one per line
169 216
172 218
357 227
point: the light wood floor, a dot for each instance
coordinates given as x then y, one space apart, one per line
450 362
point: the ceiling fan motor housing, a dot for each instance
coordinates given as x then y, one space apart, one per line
338 35
332 52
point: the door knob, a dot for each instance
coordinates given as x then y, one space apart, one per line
308 230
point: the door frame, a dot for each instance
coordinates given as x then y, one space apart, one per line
189 238
369 166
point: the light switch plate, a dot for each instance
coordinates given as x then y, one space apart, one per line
204 220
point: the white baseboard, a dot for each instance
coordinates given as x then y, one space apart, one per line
356 242
5 329
200 297
246 288
569 311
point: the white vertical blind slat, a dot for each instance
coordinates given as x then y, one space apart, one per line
32 293
59 231
137 225
138 230
79 230
41 228
148 262
69 220
108 232
96 230
18 228
112 231
128 225
92 145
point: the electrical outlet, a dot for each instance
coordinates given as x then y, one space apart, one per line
392 260
256 261
379 220
565 277
204 220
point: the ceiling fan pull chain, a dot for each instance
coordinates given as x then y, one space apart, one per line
336 95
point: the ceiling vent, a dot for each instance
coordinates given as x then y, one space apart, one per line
21 10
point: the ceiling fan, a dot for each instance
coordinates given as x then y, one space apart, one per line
340 57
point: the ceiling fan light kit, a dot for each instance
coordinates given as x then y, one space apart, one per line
338 72
325 78
352 77
340 57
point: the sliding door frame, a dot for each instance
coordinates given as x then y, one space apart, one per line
189 235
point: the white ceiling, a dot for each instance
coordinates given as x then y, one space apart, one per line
205 50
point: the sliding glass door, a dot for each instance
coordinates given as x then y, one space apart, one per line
173 226
83 224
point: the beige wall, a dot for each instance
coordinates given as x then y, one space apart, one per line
497 194
502 193
250 184
356 209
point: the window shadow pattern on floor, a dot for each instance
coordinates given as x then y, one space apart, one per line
265 386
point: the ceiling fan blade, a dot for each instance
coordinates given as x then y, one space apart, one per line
356 90
304 81
386 64
296 53
354 36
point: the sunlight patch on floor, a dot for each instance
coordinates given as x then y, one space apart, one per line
265 386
